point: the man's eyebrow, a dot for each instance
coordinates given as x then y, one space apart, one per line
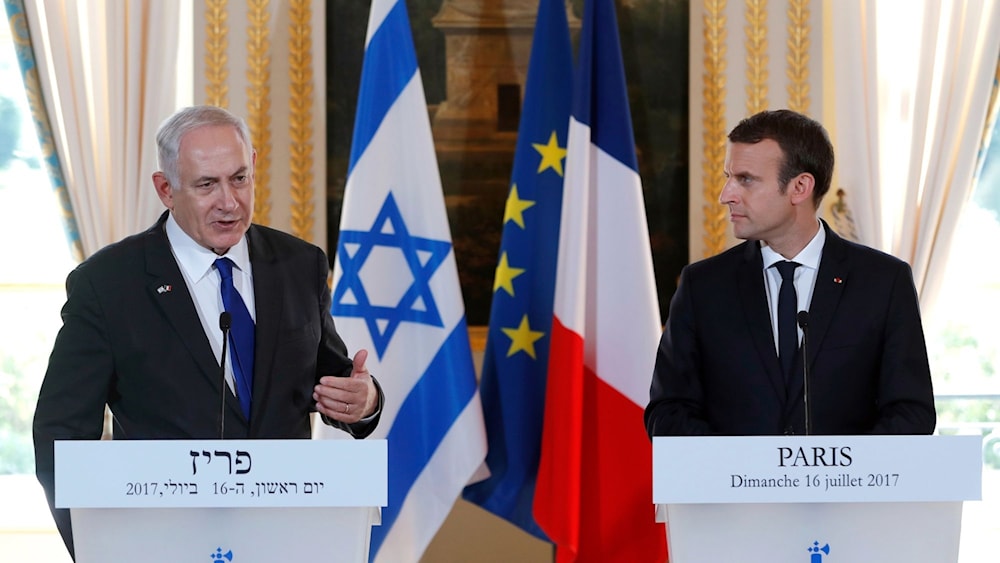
743 173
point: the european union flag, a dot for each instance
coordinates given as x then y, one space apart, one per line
517 347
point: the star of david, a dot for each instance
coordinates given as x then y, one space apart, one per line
422 256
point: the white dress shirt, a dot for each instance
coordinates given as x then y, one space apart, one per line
805 277
197 265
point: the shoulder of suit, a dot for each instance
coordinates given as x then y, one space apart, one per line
727 259
126 252
861 253
279 241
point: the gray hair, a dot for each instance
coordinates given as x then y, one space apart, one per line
168 137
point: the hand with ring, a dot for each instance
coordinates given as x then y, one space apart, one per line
336 396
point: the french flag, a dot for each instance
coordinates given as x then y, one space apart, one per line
594 490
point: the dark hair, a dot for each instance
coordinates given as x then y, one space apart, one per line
804 144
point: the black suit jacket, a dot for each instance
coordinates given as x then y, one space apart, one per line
717 371
131 338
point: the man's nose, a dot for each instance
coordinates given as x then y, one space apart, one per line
726 194
227 196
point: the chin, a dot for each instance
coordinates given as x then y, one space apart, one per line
226 243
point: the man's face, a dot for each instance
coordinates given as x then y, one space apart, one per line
759 207
214 202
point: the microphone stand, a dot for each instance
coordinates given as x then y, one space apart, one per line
225 321
803 319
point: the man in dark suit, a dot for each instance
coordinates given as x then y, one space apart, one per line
141 324
720 367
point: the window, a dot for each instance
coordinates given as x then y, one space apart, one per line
35 260
964 347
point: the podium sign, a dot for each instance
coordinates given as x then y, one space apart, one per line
815 499
242 501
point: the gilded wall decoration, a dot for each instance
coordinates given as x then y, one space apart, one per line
300 107
216 58
756 55
798 55
259 103
714 125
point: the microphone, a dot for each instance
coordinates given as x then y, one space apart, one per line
803 320
225 321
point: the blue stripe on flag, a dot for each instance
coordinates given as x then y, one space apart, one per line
514 380
424 418
390 62
396 224
601 55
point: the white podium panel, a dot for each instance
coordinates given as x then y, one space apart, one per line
245 501
247 535
821 499
814 532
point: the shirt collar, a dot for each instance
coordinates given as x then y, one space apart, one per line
808 256
197 261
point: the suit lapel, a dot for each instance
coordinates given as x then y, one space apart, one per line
268 304
830 281
170 293
750 280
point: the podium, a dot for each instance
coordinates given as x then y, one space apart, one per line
815 499
239 501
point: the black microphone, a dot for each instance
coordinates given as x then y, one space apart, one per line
225 321
803 319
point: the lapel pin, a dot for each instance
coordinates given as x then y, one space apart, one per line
164 289
838 280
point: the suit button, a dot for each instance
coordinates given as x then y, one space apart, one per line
789 431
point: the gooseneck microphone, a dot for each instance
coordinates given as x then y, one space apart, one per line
225 321
803 320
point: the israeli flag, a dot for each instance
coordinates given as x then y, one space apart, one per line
396 293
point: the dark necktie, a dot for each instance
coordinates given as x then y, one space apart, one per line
241 335
788 332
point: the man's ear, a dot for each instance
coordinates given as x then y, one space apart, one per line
163 189
801 188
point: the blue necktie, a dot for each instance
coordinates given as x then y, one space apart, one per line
788 332
241 335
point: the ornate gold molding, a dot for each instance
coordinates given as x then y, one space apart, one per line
259 103
300 78
798 55
216 41
713 125
757 59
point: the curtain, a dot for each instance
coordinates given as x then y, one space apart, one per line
911 107
954 85
991 120
855 116
107 71
29 74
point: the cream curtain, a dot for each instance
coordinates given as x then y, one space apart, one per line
853 114
912 82
108 73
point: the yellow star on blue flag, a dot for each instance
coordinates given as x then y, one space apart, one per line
515 363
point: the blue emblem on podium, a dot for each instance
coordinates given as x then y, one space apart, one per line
219 556
818 552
